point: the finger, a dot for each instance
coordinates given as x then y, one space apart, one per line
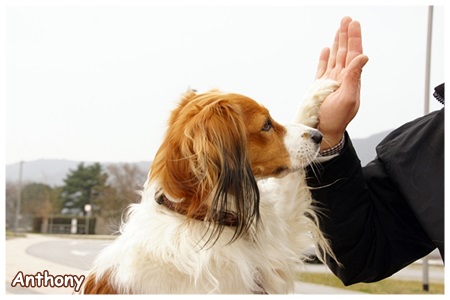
323 62
334 49
352 76
354 41
343 42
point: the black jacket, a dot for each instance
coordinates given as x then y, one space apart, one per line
386 215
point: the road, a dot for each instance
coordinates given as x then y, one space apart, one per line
59 256
77 253
72 257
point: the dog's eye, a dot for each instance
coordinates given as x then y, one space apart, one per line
267 126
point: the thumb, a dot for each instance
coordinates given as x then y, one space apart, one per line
352 77
354 69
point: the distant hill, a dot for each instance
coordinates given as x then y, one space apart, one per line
365 148
53 171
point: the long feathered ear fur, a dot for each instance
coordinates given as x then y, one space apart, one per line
204 162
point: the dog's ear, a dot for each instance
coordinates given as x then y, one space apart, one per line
170 167
219 159
185 99
203 163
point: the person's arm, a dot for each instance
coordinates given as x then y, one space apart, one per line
343 63
371 229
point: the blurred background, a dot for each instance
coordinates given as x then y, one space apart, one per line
90 85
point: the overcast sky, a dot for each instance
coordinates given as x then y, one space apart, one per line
97 83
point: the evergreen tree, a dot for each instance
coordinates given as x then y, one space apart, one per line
82 186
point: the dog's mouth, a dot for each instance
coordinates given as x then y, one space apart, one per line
300 165
306 159
314 156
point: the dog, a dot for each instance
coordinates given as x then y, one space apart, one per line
225 208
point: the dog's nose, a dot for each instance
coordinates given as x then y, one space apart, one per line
316 136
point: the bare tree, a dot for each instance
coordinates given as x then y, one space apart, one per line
11 195
38 200
122 189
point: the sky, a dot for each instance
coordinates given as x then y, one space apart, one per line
97 82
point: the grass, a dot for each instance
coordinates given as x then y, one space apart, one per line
10 234
386 286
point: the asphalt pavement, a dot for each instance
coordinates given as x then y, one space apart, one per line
60 263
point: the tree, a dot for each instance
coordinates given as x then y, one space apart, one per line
37 200
82 186
11 195
127 180
40 200
124 183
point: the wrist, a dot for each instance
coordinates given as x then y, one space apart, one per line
330 141
335 150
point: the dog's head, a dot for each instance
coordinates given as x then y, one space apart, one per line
216 145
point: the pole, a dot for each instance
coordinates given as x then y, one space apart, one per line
425 267
425 274
426 109
87 209
19 200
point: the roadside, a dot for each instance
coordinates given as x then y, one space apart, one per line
413 272
18 260
20 257
409 280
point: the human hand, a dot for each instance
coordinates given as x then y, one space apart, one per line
344 64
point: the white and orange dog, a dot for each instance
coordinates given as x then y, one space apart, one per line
206 222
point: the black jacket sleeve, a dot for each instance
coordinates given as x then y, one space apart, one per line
371 227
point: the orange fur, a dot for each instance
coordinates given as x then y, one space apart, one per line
207 129
197 228
101 286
